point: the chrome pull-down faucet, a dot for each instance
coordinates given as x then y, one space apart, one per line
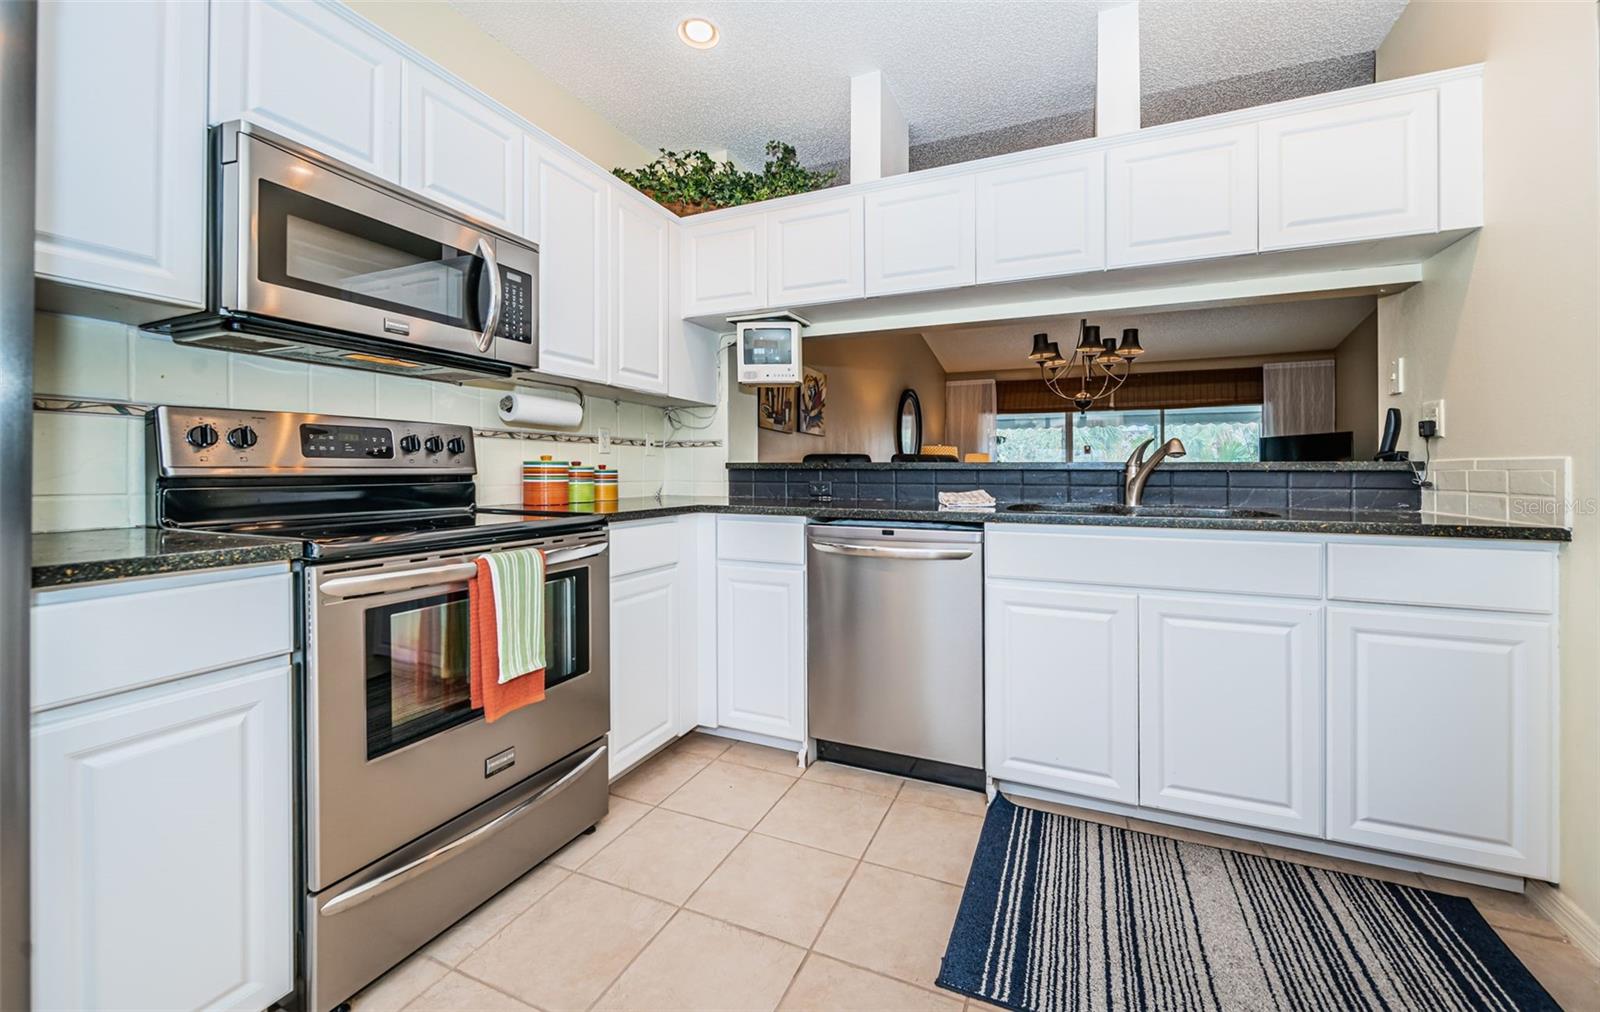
1137 470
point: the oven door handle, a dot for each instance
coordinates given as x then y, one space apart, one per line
563 556
497 295
410 579
411 869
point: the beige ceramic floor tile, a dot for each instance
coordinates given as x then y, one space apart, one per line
1409 878
1502 909
396 989
561 952
729 793
699 963
861 780
623 814
706 746
952 799
456 993
665 854
826 985
1196 836
478 927
659 776
833 818
774 760
926 841
1085 814
974 1005
775 887
1572 979
892 922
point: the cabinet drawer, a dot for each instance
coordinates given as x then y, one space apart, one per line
636 548
780 541
95 641
1249 564
1445 576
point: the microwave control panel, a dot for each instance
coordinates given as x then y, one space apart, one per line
516 309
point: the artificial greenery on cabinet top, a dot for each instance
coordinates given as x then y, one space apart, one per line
693 181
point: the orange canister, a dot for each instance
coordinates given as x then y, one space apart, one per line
544 482
605 484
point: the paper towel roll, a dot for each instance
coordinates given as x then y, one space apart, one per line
561 408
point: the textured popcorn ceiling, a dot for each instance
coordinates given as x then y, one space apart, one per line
1276 328
782 69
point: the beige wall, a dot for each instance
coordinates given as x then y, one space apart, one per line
1527 279
1355 399
443 34
865 377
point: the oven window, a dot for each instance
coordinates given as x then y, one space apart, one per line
318 247
419 652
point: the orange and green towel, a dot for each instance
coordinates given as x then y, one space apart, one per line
506 597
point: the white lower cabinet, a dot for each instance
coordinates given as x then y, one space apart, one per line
761 649
1230 710
162 846
1441 736
1062 693
645 626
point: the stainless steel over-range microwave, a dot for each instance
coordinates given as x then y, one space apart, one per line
315 260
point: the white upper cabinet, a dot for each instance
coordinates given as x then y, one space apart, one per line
311 72
568 216
641 268
1230 705
1359 171
1061 704
1042 218
1184 197
122 148
725 265
920 236
1440 736
815 253
459 151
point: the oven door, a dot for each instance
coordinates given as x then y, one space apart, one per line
328 248
393 746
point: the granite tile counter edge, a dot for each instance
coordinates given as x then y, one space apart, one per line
65 574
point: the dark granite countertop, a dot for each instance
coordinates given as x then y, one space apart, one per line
62 558
1169 463
1298 521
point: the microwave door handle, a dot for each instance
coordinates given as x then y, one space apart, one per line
497 294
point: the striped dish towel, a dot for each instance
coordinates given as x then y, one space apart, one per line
506 598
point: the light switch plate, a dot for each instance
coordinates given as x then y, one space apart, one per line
1397 376
1433 411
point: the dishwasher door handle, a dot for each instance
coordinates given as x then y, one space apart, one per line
891 552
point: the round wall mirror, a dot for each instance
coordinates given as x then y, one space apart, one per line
908 423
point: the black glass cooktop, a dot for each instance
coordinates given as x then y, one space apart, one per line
344 537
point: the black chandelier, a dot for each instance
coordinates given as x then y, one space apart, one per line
1100 367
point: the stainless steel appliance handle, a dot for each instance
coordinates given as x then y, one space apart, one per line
887 552
409 579
497 293
389 880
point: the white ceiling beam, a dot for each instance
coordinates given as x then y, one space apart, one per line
1117 79
879 142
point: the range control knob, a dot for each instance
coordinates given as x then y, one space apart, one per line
242 438
410 444
456 446
434 444
202 436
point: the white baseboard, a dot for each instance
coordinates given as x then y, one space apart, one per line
1581 929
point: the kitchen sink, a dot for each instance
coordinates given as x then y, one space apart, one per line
1117 509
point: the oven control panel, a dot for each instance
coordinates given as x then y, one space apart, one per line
222 441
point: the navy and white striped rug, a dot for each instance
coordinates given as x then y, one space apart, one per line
1062 914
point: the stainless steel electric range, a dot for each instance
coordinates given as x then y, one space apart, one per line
413 810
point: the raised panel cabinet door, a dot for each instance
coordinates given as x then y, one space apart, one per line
725 265
1042 219
162 835
1062 689
568 218
459 151
1230 711
312 72
1361 171
122 148
761 649
816 252
1186 197
1441 737
646 622
920 236
641 264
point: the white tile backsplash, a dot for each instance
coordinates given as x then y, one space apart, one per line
404 397
80 454
77 356
267 384
343 391
1522 490
168 373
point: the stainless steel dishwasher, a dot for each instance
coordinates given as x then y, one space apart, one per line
895 647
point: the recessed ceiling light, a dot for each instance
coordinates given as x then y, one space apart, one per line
698 32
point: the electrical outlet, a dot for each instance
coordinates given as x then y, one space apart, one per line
605 440
1433 411
1397 376
650 444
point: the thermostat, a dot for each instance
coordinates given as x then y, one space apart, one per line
769 349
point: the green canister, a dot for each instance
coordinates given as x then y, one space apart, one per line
580 483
